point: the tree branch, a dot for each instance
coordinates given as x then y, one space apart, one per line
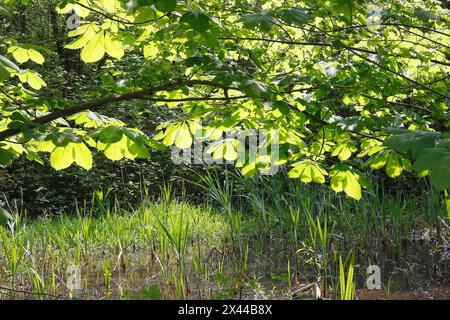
325 44
325 123
119 20
398 74
96 104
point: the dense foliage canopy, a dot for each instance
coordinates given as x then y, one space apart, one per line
348 86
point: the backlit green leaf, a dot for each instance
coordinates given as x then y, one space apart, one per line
183 138
83 156
94 49
62 157
351 186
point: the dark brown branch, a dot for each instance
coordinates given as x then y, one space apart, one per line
119 20
379 65
438 80
325 123
426 38
225 98
9 96
406 105
320 44
96 104
390 24
324 44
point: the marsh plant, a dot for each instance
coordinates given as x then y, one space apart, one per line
229 248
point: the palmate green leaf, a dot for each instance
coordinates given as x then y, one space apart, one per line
343 151
90 119
431 158
109 5
130 146
394 167
229 151
308 171
44 146
197 20
440 177
151 51
215 149
410 141
165 5
255 89
94 49
78 43
32 78
83 156
394 163
180 134
337 181
33 156
370 147
347 181
62 139
144 12
82 10
170 134
262 20
36 56
113 48
406 163
424 147
226 149
183 137
438 161
111 134
35 81
378 160
295 16
139 150
117 151
86 33
23 54
351 186
62 157
345 7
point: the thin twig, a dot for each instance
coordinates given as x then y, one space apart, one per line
34 293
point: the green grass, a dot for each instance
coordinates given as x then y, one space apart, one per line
261 240
160 230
